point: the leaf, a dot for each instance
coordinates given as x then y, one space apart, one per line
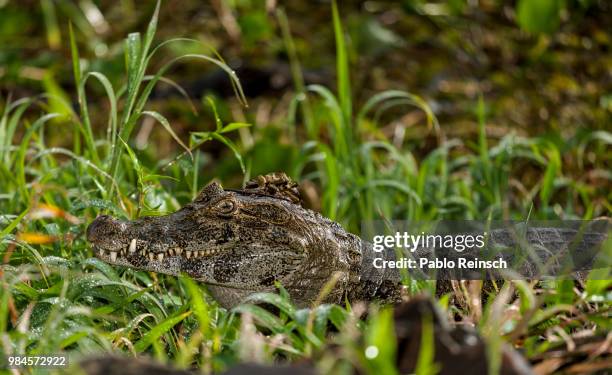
177 87
4 307
213 106
157 331
197 138
162 120
406 97
54 37
80 85
425 361
332 185
526 295
112 98
59 102
106 269
157 76
236 86
151 29
539 16
273 299
233 147
132 60
262 316
398 186
23 288
327 312
80 159
75 337
13 224
335 109
233 126
198 305
107 309
381 343
342 66
599 282
548 181
100 204
36 238
155 177
8 124
76 64
135 163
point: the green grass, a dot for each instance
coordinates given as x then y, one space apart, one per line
56 297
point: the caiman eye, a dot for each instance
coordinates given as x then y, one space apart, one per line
225 207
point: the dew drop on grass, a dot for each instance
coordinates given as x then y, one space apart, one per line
371 352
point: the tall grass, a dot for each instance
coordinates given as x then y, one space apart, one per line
365 176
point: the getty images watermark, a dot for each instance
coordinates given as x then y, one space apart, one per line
479 250
413 242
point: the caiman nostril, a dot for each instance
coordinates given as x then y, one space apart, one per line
94 228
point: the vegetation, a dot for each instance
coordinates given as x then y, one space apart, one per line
63 163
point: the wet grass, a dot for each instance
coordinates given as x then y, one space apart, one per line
56 297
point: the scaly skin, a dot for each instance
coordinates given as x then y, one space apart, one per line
240 242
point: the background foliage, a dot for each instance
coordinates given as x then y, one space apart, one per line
410 110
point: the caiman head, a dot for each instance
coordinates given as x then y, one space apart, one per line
236 241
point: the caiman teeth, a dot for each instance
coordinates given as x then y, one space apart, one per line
133 246
188 254
113 256
178 251
151 256
160 257
171 252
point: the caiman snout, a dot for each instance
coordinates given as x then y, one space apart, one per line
101 228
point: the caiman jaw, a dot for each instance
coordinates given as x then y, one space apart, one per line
117 242
131 250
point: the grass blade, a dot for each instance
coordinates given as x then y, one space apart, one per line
156 332
164 122
78 79
342 67
232 147
112 98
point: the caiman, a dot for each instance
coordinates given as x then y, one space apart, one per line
240 242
